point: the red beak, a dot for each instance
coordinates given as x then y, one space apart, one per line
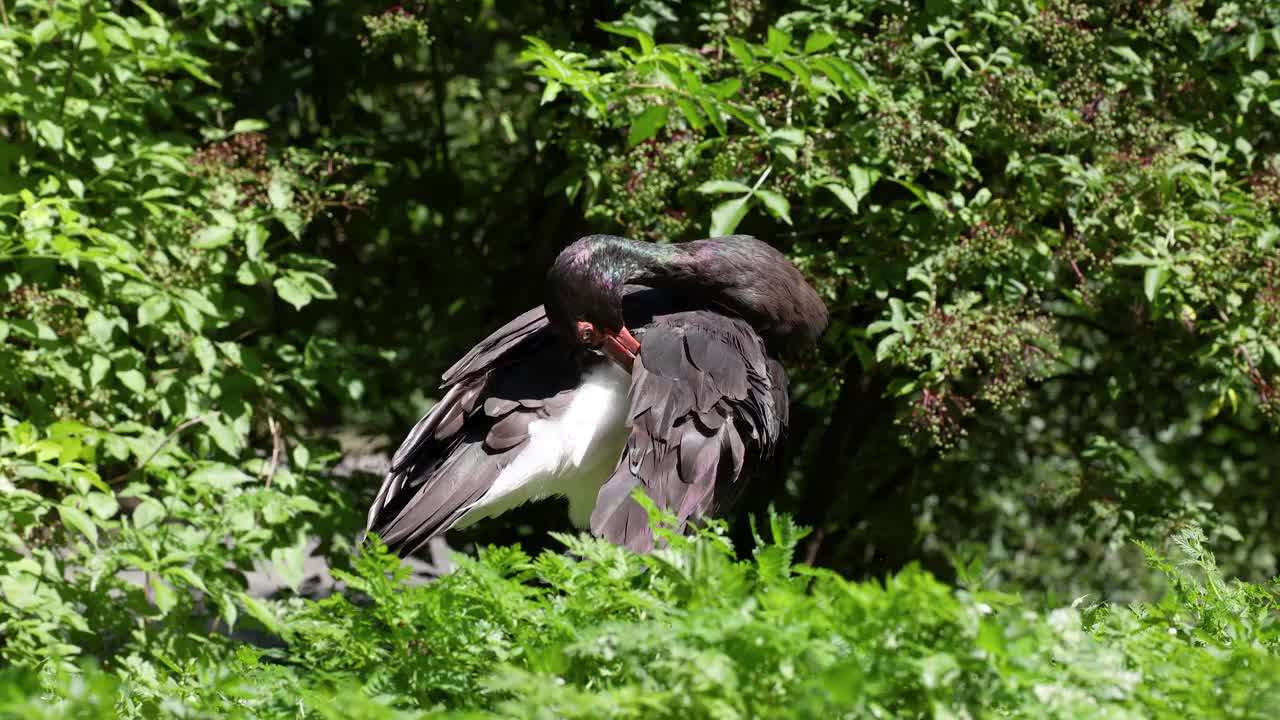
622 347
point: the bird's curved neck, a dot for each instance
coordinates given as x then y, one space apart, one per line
737 274
623 261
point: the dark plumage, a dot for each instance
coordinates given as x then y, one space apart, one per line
540 407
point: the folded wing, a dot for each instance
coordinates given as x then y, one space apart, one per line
456 451
707 407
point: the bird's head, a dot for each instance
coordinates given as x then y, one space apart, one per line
584 298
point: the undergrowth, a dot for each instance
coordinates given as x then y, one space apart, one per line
695 630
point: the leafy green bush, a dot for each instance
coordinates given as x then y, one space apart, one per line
1046 232
142 266
693 631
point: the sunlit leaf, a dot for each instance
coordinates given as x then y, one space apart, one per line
726 216
647 124
77 519
155 308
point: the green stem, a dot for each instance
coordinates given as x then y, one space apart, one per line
71 69
968 70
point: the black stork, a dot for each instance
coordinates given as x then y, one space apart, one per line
649 365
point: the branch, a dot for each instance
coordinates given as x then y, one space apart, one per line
168 439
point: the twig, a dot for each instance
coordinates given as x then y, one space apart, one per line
168 439
277 445
968 70
4 14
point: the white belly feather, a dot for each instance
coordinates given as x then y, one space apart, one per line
571 455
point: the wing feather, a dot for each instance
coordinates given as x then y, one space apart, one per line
453 455
706 405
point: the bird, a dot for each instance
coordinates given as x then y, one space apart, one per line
649 365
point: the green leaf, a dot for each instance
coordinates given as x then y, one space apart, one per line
213 236
218 476
550 92
78 519
52 134
726 216
229 611
1127 53
646 124
301 455
98 368
885 347
20 589
280 190
818 41
205 353
643 38
147 513
259 611
898 315
99 327
254 240
225 436
133 380
845 195
99 33
198 74
288 561
691 113
249 125
163 595
776 204
43 31
1267 238
293 290
777 41
187 576
1257 43
198 302
863 179
722 186
155 308
1153 279
725 89
102 505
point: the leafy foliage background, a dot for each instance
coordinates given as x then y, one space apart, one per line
234 236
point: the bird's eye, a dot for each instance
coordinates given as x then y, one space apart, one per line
587 334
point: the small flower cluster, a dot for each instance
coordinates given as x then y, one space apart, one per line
45 306
938 414
1269 293
240 159
1265 183
732 17
909 140
643 183
1065 33
1003 349
979 246
244 163
246 151
393 26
